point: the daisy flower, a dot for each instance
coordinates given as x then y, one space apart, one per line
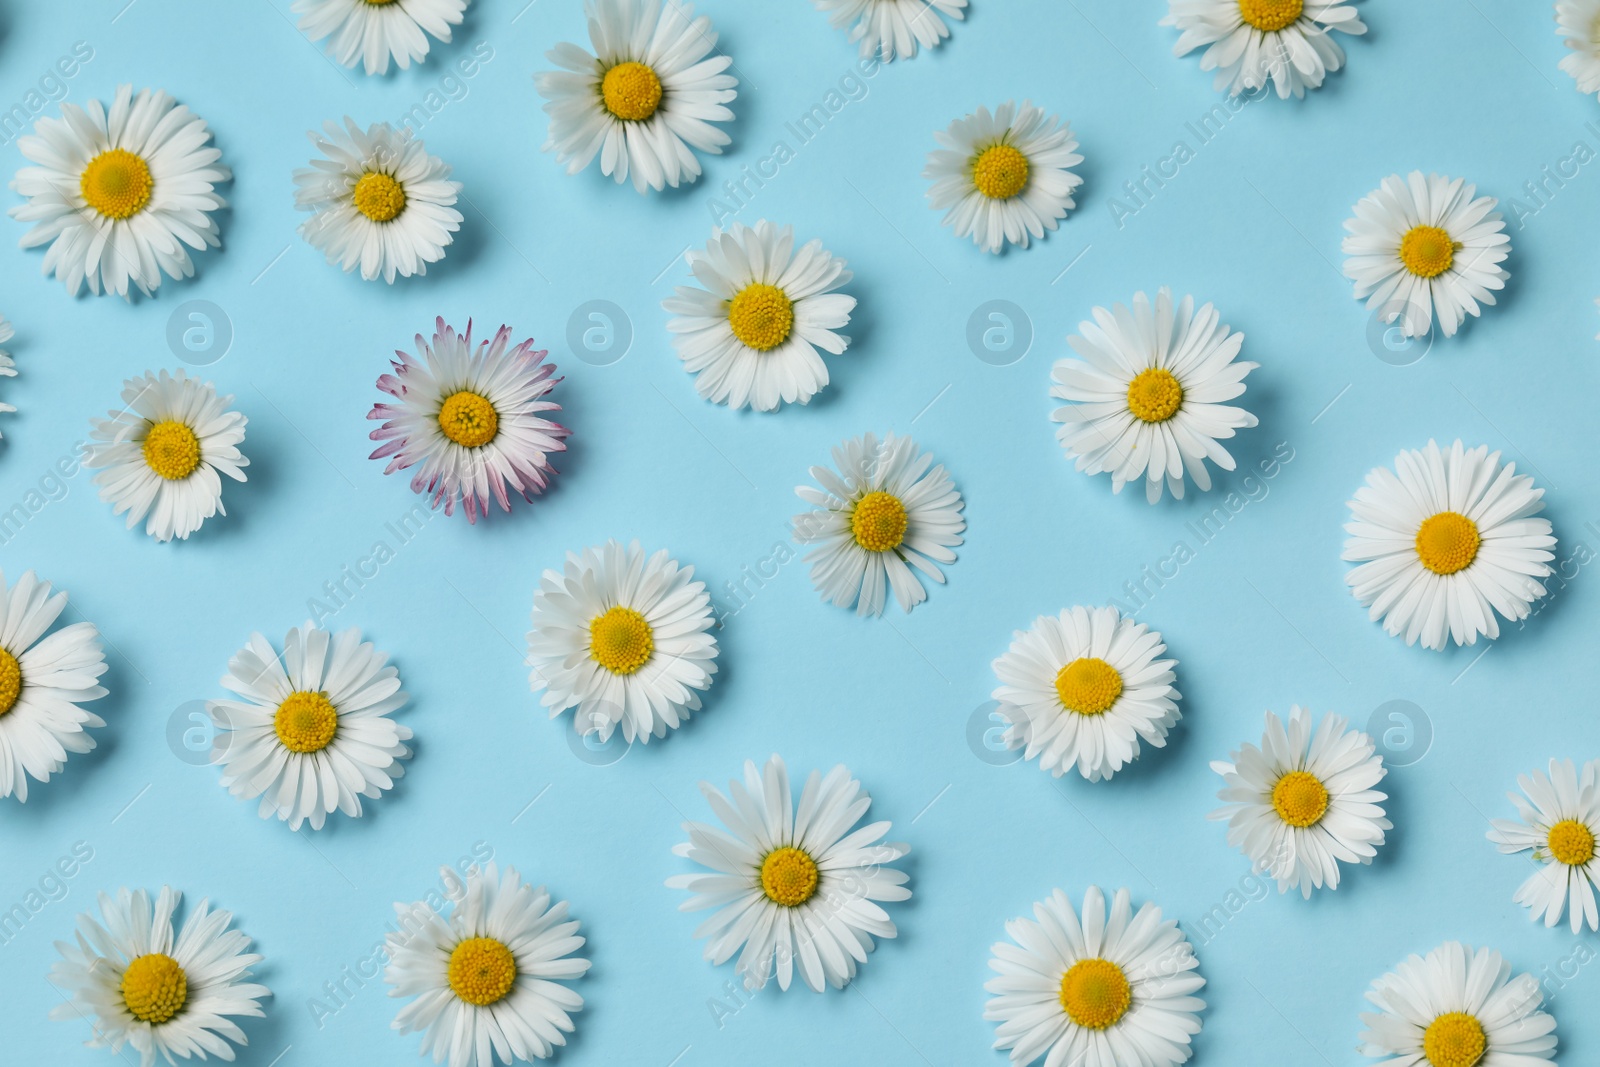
311 733
142 984
1110 988
792 889
1147 398
487 980
470 420
644 99
623 639
1445 541
1579 22
378 200
162 451
1304 802
1559 821
8 366
890 28
1253 43
1082 688
1457 1008
42 682
750 333
881 513
1426 247
118 195
371 31
1003 176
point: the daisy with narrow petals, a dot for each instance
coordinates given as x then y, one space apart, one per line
1109 989
893 28
645 100
1426 247
371 32
1147 400
793 889
884 510
8 366
310 733
1445 542
1578 21
471 421
1083 689
43 680
1000 178
120 196
1559 822
750 332
1251 44
378 201
160 455
143 984
488 981
1304 801
1456 1007
624 640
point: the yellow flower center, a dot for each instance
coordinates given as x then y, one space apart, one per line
1572 843
1270 16
379 197
1095 993
761 316
154 988
482 971
879 521
468 419
172 450
1000 172
621 640
1300 799
1088 686
306 722
10 681
1447 542
631 91
1154 395
1427 251
1454 1039
117 184
789 877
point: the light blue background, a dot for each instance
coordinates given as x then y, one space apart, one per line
1259 619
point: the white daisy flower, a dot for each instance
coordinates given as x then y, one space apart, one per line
1424 247
793 889
43 680
881 513
8 366
1445 541
118 195
1110 989
1083 688
1559 821
487 980
141 984
378 201
470 420
1457 1008
1578 21
1251 44
372 31
1002 177
311 732
1303 803
624 640
645 99
750 332
163 450
891 28
1147 398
